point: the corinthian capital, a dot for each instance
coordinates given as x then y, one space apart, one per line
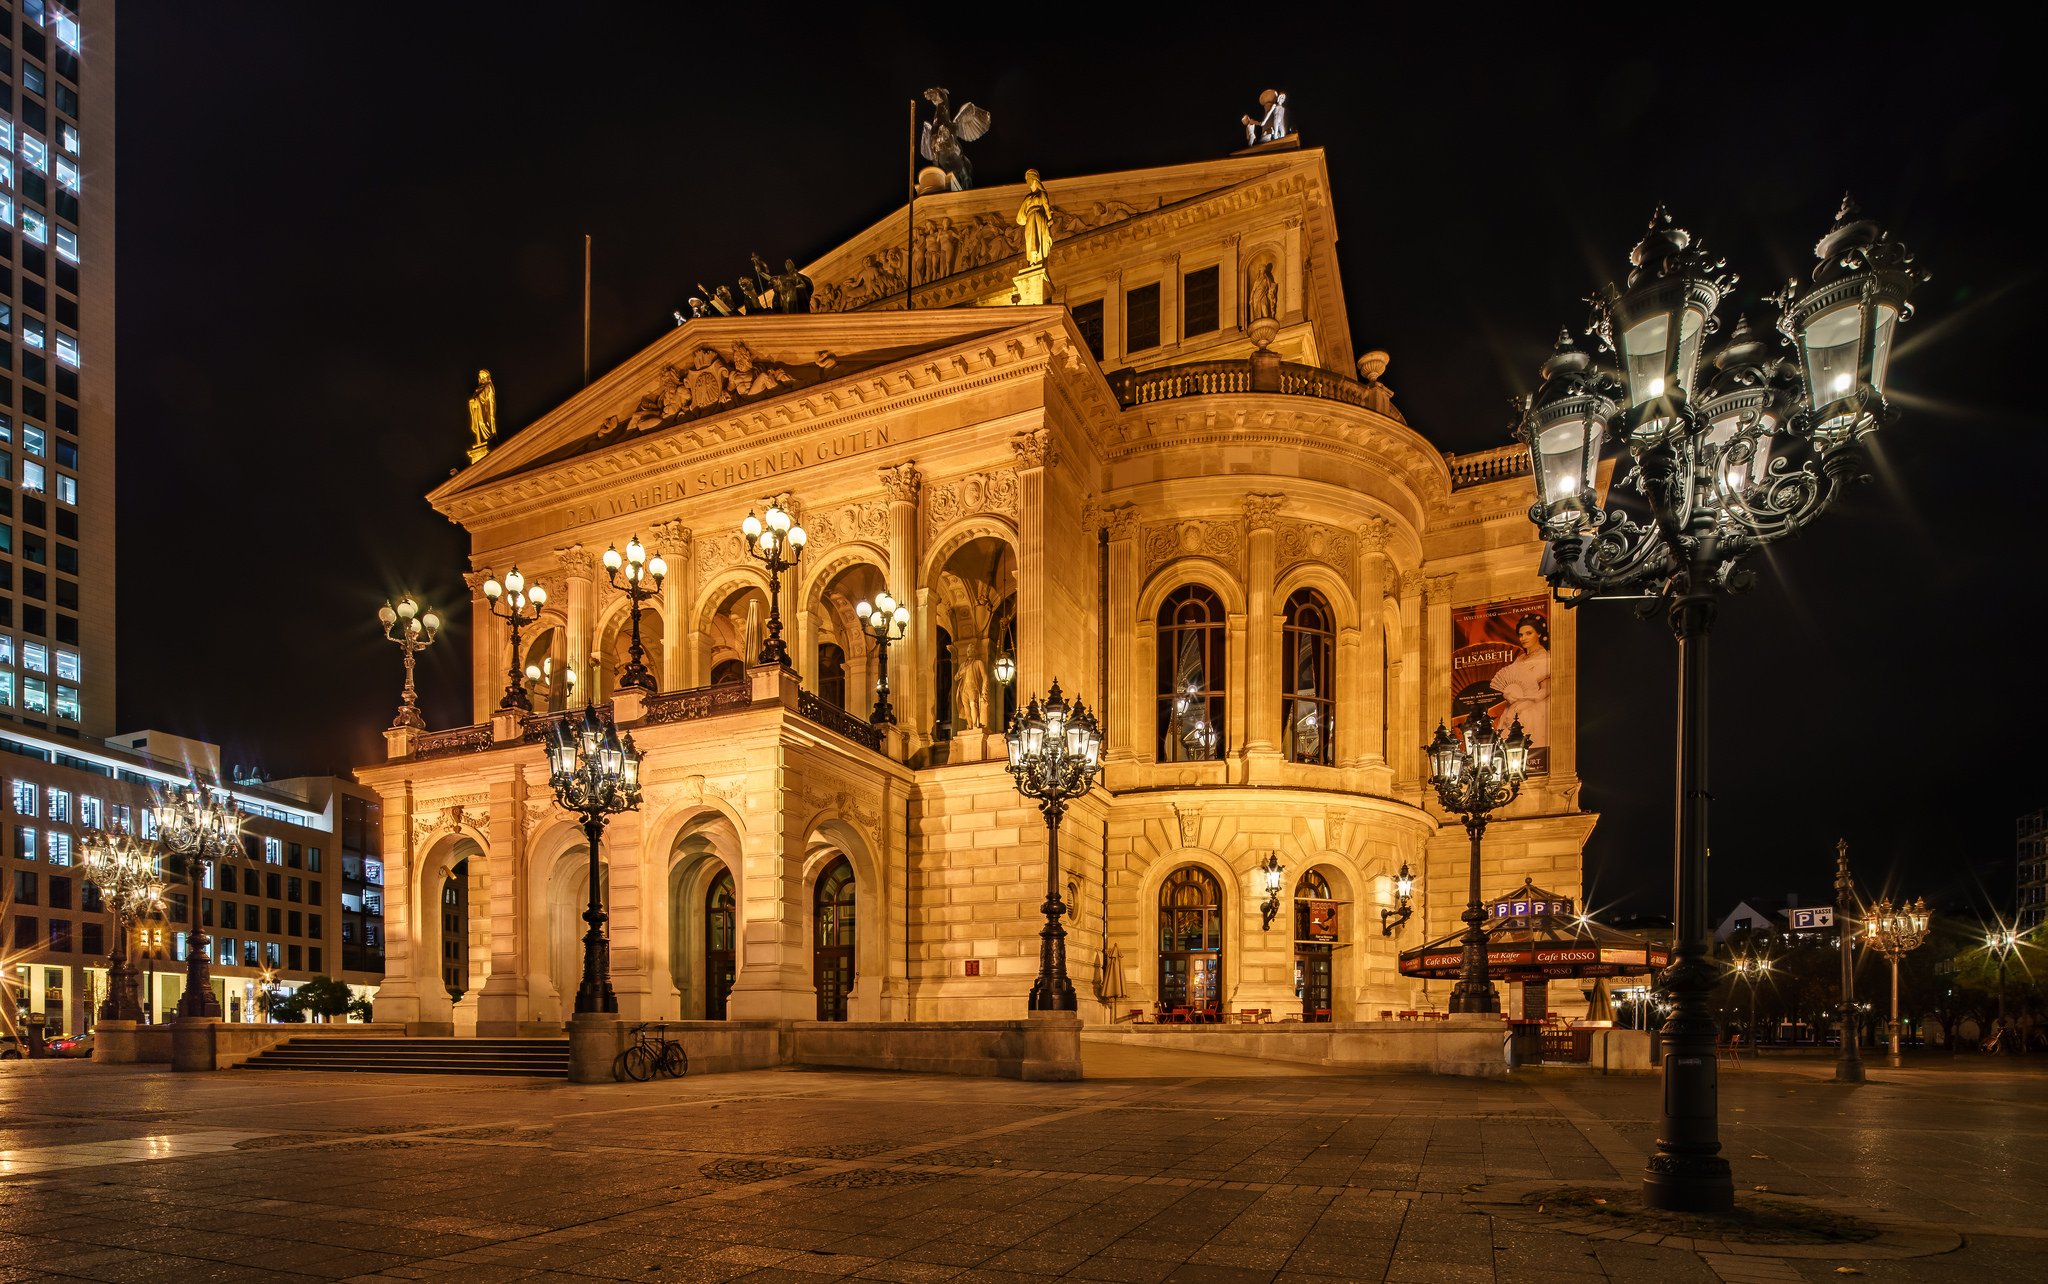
1035 448
1373 534
902 482
672 537
577 562
1436 589
1261 510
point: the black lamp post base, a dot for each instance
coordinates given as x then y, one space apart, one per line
1056 995
637 676
1688 1184
1849 1070
1468 997
596 1001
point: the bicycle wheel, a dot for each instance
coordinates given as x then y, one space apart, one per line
639 1063
675 1063
619 1074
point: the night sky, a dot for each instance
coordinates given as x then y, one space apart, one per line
329 222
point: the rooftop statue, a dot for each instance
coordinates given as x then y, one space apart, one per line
940 140
483 414
1270 127
1035 217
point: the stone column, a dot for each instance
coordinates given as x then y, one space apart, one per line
503 1001
1130 676
631 877
398 995
774 980
1262 650
487 642
678 601
1434 696
909 660
1364 711
1036 454
579 586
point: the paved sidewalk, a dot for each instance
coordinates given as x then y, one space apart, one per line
1176 1166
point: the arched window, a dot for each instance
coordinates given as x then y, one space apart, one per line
728 671
832 674
1191 941
1191 675
832 930
1315 940
721 930
942 688
1308 679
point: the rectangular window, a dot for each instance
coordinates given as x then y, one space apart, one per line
60 805
67 665
35 228
32 77
28 798
67 346
91 812
60 892
25 933
6 171
67 249
1141 315
294 889
25 842
69 133
273 852
313 958
293 956
60 847
313 925
7 133
25 887
1088 320
60 936
32 440
6 210
227 951
35 657
67 174
35 696
271 952
6 687
294 924
1200 297
251 918
313 892
35 153
67 704
67 31
31 329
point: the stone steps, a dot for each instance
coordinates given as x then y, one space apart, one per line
531 1058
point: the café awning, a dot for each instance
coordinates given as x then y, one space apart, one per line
1534 935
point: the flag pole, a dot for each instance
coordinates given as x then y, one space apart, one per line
586 309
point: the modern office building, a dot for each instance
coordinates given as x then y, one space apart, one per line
281 913
57 367
1152 467
2030 872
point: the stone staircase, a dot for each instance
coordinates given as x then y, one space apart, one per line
533 1058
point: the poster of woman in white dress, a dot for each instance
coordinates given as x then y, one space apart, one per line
1500 662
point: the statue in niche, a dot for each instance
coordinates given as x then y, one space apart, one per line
1264 294
939 141
1035 217
970 690
1270 127
483 412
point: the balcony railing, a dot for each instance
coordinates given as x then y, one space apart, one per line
445 744
1484 466
1211 378
699 702
833 718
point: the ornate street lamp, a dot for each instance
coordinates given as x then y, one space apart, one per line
883 621
124 869
1896 933
1474 773
1404 888
777 542
1055 751
1751 970
541 677
1724 462
1274 875
517 602
630 575
197 826
2002 943
414 630
1006 669
596 775
1849 1064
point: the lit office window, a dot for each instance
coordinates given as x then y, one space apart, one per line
6 210
34 227
32 11
67 349
67 703
60 804
91 812
148 826
35 153
67 489
273 851
67 174
32 476
60 845
7 132
25 842
33 440
67 32
68 669
6 687
35 657
31 329
6 171
67 245
69 133
27 798
6 649
31 77
35 695
6 428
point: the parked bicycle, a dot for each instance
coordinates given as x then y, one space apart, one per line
652 1053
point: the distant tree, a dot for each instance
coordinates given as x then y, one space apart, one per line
323 997
359 1007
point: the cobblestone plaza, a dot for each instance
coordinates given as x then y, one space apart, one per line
1159 1166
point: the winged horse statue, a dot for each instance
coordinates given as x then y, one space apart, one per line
939 141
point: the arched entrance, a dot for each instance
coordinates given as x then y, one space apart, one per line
1315 944
1191 941
721 925
832 939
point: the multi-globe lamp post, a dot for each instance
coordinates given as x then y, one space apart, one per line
124 869
1717 463
596 775
639 577
777 542
519 604
1055 753
1476 771
413 628
883 622
1895 933
199 827
2002 942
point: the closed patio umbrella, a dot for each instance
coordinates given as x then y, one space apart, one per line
1601 1007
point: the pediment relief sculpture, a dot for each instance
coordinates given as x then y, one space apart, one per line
709 380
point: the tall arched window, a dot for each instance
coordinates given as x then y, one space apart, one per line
1308 679
832 674
832 927
728 671
1191 941
1315 941
721 931
1191 675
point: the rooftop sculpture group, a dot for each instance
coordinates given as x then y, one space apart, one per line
766 290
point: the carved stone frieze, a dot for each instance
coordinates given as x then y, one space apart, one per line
833 526
1194 537
903 482
532 812
1296 542
716 552
449 816
705 381
993 491
860 807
